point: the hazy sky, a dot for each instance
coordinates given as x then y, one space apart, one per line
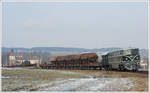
81 25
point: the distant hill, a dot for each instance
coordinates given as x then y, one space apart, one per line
143 52
60 49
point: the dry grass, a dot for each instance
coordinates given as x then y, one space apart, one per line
140 80
141 84
29 79
26 79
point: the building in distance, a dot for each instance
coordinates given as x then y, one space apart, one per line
19 59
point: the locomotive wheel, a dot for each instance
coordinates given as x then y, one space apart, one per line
100 68
110 67
121 68
134 70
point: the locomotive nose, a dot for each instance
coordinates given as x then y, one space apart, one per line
131 65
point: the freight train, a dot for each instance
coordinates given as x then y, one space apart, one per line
128 59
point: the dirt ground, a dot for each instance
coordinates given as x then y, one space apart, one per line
72 80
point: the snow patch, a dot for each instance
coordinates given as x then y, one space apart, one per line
5 77
92 84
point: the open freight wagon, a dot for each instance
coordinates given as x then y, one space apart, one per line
78 61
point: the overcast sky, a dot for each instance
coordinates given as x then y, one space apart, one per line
81 25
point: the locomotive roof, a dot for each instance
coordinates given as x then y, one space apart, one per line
118 50
129 48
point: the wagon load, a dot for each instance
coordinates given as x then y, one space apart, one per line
89 56
76 57
53 59
75 61
84 56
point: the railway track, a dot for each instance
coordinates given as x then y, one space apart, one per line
143 72
140 71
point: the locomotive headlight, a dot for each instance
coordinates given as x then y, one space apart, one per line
137 58
126 59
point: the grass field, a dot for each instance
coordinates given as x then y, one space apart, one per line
73 80
26 79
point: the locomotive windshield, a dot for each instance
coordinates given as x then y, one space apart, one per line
131 52
135 51
127 52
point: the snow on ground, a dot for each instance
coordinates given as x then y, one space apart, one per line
91 84
12 68
5 77
74 73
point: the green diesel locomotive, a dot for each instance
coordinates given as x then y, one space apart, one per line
128 59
